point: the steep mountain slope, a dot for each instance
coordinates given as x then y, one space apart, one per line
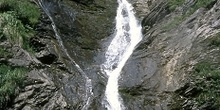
174 67
178 56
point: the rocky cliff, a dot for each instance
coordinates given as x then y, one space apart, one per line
174 67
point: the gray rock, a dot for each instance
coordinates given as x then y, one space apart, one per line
21 57
40 92
165 58
46 57
151 78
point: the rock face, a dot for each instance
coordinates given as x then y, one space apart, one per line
158 76
163 61
68 31
84 25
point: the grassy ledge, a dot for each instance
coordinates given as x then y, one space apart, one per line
17 21
10 79
210 86
173 4
208 71
25 11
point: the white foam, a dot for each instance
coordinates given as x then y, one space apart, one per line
127 36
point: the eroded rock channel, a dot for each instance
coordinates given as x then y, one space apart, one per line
174 67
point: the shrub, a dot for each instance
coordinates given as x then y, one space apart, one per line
4 53
215 40
202 3
17 19
210 85
10 79
26 11
13 29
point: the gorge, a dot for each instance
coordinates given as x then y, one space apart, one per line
109 55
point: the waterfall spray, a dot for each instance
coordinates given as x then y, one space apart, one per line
127 36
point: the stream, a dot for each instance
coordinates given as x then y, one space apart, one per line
127 36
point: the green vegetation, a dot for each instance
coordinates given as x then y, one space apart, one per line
10 79
209 71
201 3
210 85
203 90
25 11
173 4
175 22
18 17
4 53
13 29
17 20
215 40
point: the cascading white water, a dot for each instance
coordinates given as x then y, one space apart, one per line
127 36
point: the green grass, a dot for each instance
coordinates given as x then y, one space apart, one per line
211 84
12 27
173 4
201 3
215 40
18 17
207 69
10 79
17 21
175 22
26 11
4 53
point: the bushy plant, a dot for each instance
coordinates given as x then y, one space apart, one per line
17 20
202 3
215 40
10 79
210 86
13 29
4 53
26 11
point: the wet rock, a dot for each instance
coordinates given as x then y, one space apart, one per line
84 2
164 59
46 58
154 78
84 27
37 44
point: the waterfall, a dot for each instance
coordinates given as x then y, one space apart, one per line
127 36
88 84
